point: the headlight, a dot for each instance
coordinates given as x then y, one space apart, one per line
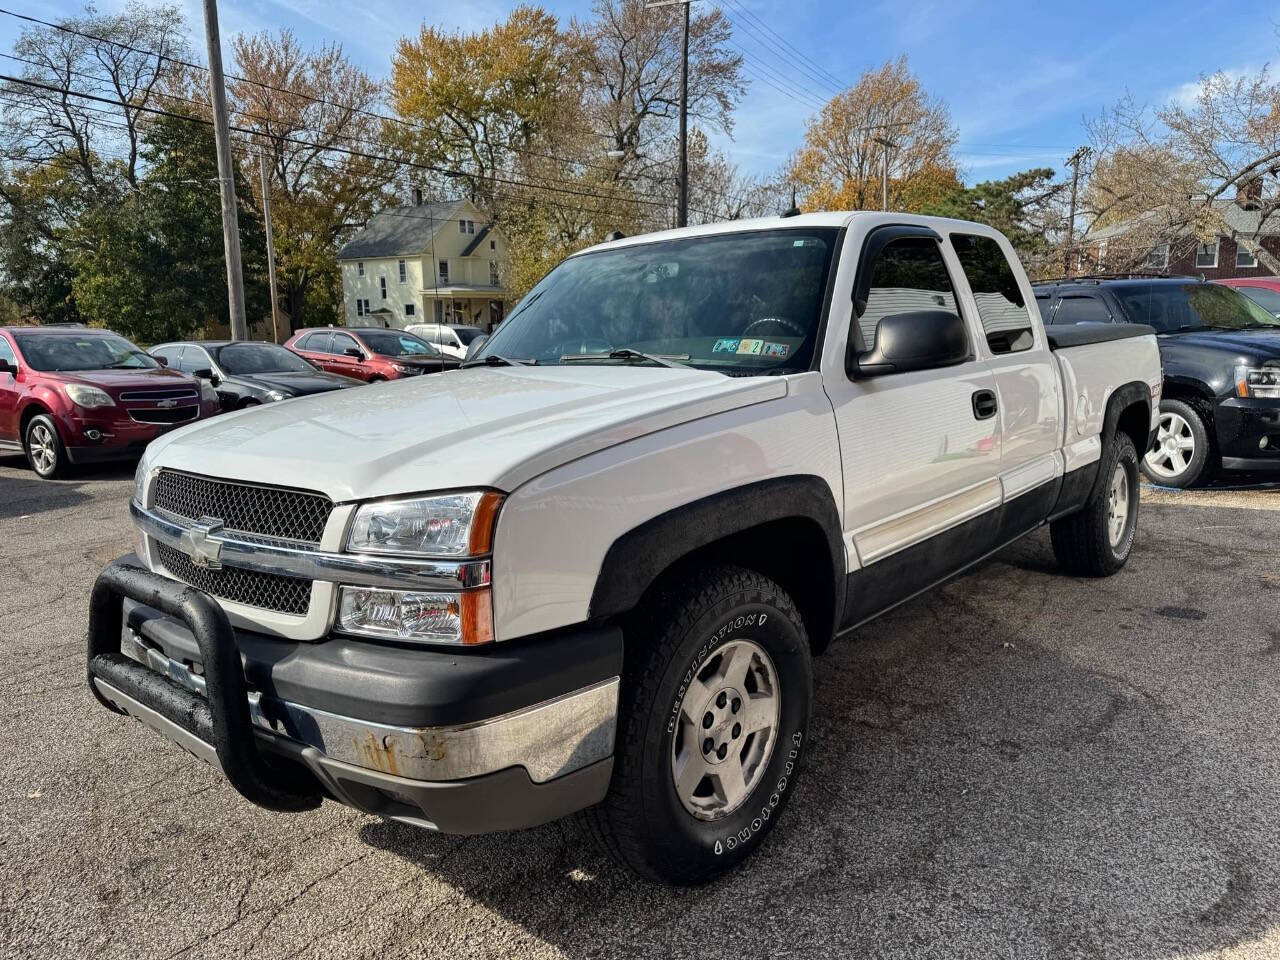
462 618
448 525
401 368
274 395
88 397
1263 382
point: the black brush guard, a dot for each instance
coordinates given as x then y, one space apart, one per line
222 718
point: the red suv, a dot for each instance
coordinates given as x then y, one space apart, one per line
72 395
370 353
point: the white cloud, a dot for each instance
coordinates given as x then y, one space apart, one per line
1186 94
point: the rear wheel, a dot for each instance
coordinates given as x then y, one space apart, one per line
1096 541
45 452
1181 451
712 716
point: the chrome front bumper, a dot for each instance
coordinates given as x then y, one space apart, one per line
548 740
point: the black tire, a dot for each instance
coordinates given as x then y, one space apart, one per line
1200 466
376 380
1083 541
642 822
250 402
44 449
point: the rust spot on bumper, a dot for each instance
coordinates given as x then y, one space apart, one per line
377 753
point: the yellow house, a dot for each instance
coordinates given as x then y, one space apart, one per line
427 262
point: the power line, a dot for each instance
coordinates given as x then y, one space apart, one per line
836 83
791 62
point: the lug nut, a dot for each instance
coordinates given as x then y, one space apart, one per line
737 730
723 751
722 699
707 745
707 720
736 705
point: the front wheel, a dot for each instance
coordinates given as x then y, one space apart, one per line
45 452
1180 454
712 719
1096 541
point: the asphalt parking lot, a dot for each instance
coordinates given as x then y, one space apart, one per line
1018 765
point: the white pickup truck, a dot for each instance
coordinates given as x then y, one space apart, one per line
589 570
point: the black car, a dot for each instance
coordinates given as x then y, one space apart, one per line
1220 408
249 372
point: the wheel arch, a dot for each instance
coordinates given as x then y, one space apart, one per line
32 409
1129 412
787 528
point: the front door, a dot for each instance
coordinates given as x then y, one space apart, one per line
920 449
8 398
343 362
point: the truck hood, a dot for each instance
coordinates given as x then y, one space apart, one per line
480 427
1262 344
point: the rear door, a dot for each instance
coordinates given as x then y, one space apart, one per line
920 449
1027 383
346 365
315 347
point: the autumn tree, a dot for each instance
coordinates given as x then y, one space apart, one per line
839 165
317 116
1168 174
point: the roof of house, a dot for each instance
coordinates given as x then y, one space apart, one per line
471 247
400 231
1247 222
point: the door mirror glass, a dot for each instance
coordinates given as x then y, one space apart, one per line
918 340
474 346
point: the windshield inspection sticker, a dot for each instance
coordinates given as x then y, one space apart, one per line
776 349
750 346
728 345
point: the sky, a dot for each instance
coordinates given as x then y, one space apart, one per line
1019 78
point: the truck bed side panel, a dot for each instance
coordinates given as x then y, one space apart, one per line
1090 374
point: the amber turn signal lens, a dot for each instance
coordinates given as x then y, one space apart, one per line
477 616
483 521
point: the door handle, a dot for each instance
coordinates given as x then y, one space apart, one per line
984 404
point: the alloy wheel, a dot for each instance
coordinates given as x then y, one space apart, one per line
728 723
1174 447
44 452
1118 505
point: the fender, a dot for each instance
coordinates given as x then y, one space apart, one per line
636 559
1078 486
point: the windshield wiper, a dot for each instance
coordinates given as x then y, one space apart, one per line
626 353
493 360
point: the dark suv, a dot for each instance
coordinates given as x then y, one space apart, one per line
1221 355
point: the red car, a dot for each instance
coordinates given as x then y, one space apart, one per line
1264 291
72 395
370 353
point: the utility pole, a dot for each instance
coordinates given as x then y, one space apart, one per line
1073 162
226 173
271 245
887 145
682 176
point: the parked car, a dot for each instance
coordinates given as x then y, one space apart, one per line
71 395
249 372
1264 291
370 354
689 462
1221 355
452 338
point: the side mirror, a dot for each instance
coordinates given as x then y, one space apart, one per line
354 352
204 373
7 367
163 361
474 346
919 340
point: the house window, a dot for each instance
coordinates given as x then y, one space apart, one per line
1207 254
404 271
439 311
409 310
1102 255
1158 258
359 308
382 287
493 273
467 226
360 268
444 271
1244 259
493 244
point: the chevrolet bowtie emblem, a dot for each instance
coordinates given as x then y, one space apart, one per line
166 404
196 543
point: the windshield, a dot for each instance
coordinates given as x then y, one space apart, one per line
467 334
743 303
1171 307
250 358
392 344
88 351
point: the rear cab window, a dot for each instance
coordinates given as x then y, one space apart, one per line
1006 321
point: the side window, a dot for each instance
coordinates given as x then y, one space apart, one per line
1006 321
319 342
6 352
342 343
194 358
305 342
1082 309
170 354
1044 303
908 275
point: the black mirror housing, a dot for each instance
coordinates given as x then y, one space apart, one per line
163 361
7 367
917 340
354 352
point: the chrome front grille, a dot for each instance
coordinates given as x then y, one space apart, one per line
265 511
151 396
267 591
